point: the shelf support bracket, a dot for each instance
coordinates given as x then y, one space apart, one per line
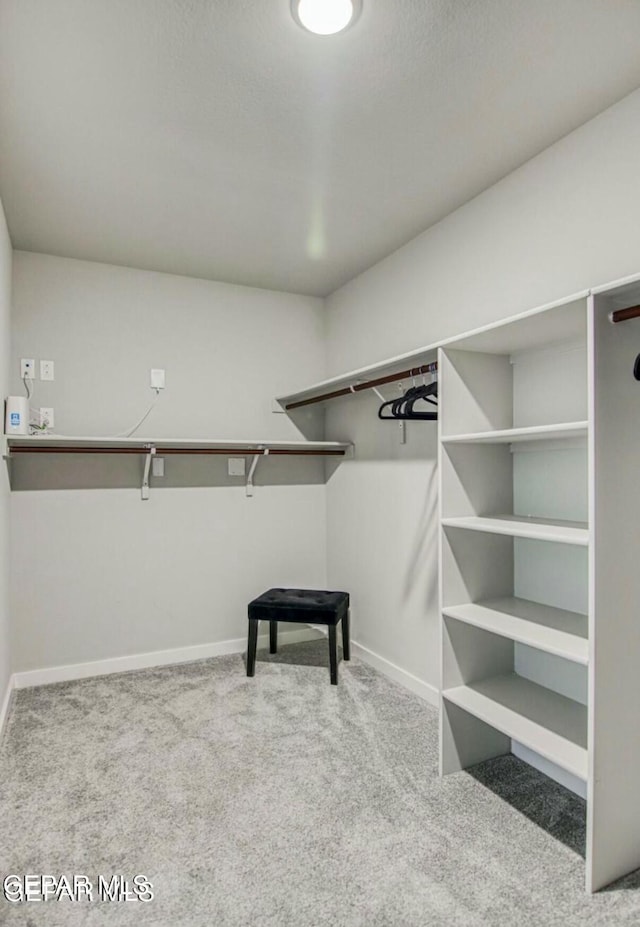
263 452
402 423
145 477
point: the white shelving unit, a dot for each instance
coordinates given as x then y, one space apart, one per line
538 460
539 455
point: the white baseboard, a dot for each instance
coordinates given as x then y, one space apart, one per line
48 675
426 691
6 702
52 674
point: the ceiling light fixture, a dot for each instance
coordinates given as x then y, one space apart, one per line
325 17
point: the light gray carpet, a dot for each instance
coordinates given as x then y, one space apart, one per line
281 801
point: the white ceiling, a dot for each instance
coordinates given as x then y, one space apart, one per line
217 139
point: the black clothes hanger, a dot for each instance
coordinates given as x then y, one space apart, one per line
402 409
636 368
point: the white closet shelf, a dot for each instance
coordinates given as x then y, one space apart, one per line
558 321
538 529
57 444
553 630
514 435
549 724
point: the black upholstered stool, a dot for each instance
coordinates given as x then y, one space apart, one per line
309 606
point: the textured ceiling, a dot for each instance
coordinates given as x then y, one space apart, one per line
217 139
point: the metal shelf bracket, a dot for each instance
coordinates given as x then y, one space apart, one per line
145 477
403 424
262 452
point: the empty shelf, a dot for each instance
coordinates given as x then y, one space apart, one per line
549 724
514 435
50 444
540 529
553 630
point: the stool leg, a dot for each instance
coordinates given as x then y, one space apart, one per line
273 637
251 648
346 646
333 654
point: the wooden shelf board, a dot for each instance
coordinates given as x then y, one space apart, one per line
514 435
549 724
553 630
540 529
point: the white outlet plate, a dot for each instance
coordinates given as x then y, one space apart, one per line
157 379
27 368
237 466
47 370
46 417
157 466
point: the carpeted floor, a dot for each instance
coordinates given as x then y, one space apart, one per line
280 801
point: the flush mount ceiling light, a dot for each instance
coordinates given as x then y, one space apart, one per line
325 17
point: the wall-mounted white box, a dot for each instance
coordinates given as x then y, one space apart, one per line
237 466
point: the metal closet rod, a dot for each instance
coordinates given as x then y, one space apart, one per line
165 451
368 384
623 315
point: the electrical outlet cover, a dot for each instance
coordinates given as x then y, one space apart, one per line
47 370
46 417
236 466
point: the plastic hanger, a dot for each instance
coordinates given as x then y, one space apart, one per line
402 409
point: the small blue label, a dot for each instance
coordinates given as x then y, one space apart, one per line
15 418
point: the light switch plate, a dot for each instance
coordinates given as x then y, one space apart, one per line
237 466
157 466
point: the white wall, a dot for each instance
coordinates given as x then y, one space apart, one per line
565 221
97 573
5 304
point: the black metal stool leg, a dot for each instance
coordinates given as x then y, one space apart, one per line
333 654
346 645
251 648
273 637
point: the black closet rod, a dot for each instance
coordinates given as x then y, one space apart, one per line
623 315
369 384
